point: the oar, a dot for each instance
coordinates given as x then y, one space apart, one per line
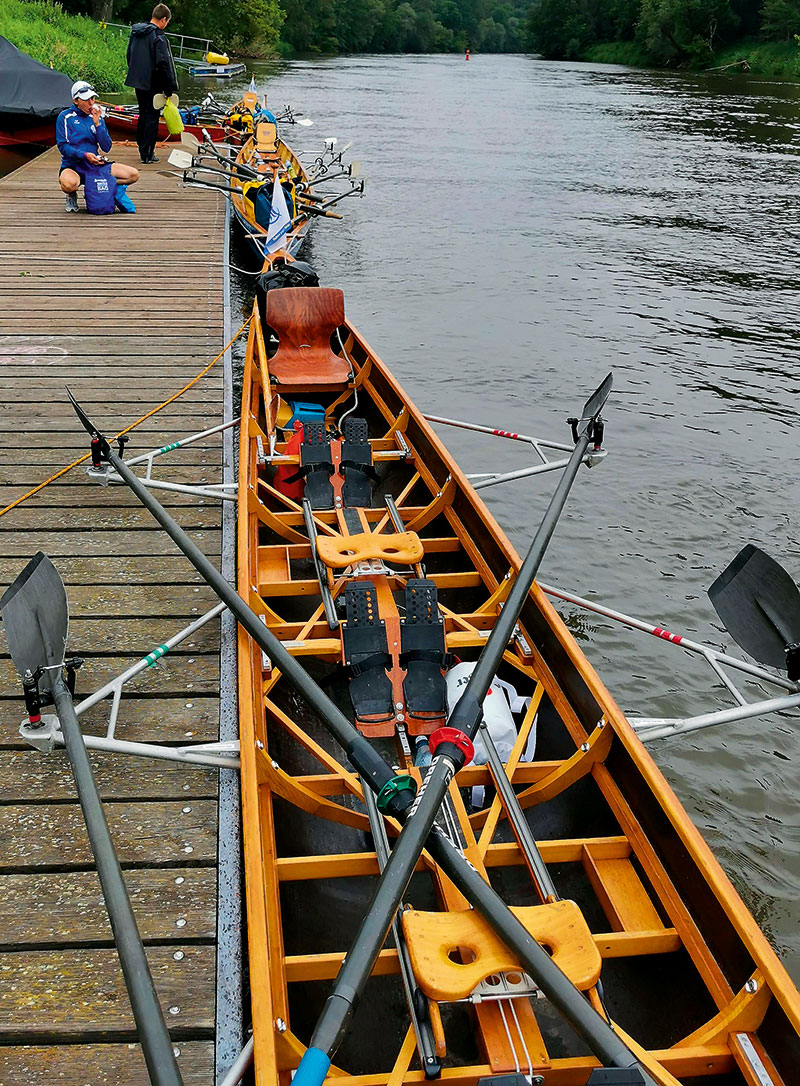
759 604
450 753
395 794
36 620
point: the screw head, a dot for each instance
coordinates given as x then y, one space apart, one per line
280 1025
751 985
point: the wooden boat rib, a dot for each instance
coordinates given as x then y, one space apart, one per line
643 907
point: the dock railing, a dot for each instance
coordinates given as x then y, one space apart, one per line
182 40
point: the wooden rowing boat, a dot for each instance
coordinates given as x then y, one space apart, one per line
631 903
265 153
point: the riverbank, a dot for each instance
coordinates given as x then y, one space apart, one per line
73 44
779 60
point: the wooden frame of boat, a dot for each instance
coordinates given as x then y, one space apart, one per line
687 976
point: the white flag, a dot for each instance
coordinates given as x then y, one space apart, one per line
279 221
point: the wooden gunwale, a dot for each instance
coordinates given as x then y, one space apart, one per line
577 697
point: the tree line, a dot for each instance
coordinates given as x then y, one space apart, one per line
264 27
665 32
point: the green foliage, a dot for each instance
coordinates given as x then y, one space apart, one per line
617 52
72 44
778 60
681 31
404 26
780 19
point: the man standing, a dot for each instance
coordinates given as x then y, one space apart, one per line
82 139
151 70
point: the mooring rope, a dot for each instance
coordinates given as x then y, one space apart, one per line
133 425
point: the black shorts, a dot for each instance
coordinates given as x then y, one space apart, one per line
76 170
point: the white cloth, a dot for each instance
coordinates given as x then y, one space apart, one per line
280 222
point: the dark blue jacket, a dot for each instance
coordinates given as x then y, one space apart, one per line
150 63
76 134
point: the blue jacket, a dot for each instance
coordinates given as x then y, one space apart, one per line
76 134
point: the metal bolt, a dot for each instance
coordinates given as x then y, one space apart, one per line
180 880
398 705
584 747
176 1052
190 705
189 734
174 1010
181 923
178 956
399 717
186 810
280 1025
751 985
275 765
188 848
259 744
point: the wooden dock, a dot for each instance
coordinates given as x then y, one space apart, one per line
125 310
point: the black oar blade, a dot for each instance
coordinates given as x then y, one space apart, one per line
86 422
595 404
759 605
36 617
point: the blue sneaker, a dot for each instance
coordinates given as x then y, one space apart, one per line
123 200
71 201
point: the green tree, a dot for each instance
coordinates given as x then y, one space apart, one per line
560 29
780 19
682 31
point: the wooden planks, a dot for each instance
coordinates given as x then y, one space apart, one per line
126 310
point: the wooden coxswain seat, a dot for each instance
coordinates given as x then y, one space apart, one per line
435 939
304 319
266 139
338 552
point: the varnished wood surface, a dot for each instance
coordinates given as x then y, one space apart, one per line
125 310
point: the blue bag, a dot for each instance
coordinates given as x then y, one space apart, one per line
123 200
99 188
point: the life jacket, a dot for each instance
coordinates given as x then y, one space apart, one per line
100 188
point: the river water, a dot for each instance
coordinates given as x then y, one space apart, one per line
528 227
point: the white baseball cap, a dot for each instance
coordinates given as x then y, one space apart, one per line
83 90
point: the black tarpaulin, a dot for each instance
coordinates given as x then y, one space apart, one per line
28 88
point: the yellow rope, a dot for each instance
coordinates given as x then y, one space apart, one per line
132 426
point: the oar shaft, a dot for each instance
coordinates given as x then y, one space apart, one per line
357 966
359 750
151 1028
536 962
468 711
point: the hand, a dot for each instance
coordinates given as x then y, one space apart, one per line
94 160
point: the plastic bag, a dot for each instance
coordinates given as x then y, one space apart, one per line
172 118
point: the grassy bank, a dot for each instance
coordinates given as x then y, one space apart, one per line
617 52
72 44
778 59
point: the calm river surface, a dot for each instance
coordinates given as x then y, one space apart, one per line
530 226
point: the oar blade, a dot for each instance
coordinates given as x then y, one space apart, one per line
190 141
36 618
759 604
85 421
182 160
595 404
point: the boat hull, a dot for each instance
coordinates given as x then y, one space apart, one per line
688 978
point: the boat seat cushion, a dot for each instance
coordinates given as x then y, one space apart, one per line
560 927
338 552
304 319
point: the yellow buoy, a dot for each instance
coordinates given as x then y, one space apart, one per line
217 58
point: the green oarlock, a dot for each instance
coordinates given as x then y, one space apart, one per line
401 783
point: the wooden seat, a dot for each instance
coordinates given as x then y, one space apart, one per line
338 552
433 937
266 138
304 319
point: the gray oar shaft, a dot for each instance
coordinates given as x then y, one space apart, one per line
151 1028
469 709
536 962
359 750
516 816
357 966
